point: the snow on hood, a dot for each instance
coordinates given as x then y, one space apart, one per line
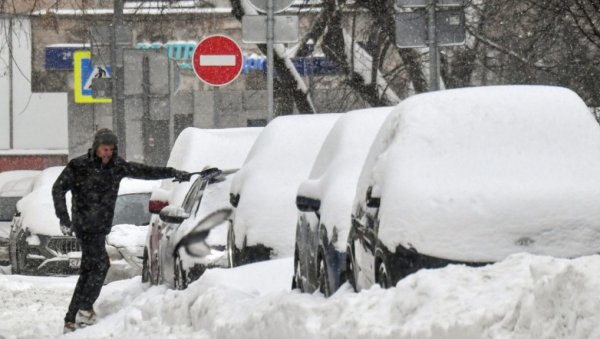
128 236
268 181
17 183
479 173
335 172
197 148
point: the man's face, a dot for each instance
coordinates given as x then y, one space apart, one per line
105 152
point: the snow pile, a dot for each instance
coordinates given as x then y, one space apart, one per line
479 173
268 182
524 296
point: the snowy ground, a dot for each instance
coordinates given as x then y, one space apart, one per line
524 296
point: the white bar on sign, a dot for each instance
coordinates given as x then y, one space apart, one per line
217 60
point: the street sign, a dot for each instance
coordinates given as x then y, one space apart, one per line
411 28
278 5
217 60
84 72
59 57
424 3
254 29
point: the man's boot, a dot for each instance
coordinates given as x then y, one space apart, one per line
86 318
69 327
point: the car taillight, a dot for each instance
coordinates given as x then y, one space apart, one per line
154 206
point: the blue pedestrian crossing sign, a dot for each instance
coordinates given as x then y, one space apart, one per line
84 72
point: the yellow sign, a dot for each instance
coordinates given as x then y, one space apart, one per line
84 72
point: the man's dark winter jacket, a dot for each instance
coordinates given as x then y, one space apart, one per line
94 189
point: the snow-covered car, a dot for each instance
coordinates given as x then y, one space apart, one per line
195 149
36 243
325 201
264 190
472 176
13 186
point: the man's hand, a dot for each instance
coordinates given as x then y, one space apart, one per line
66 230
182 176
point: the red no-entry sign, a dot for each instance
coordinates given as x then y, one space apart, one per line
217 60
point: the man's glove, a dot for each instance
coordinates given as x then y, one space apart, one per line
66 230
182 176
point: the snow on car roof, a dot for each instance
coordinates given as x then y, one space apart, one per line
476 174
17 183
197 148
336 169
268 181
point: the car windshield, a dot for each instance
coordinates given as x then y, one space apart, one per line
132 209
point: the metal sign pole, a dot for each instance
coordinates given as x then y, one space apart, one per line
270 34
433 52
116 61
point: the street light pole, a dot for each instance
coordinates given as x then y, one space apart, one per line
270 38
433 50
310 44
118 85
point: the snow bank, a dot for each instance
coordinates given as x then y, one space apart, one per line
524 296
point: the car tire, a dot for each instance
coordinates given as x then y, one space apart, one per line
322 280
350 269
297 279
145 269
20 263
12 254
180 275
383 275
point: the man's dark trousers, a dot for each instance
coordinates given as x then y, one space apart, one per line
94 266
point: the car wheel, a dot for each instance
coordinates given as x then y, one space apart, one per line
155 271
350 269
180 275
297 279
21 254
322 276
383 276
145 269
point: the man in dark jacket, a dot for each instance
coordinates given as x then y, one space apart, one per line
93 180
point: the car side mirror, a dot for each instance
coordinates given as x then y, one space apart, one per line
372 200
234 199
305 204
173 215
194 242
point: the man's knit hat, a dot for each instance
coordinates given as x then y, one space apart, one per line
104 136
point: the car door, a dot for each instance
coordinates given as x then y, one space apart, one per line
364 246
167 231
